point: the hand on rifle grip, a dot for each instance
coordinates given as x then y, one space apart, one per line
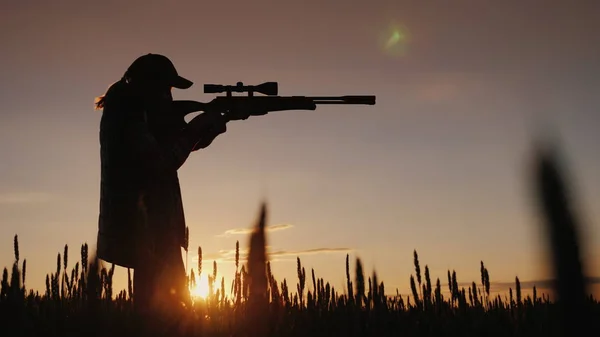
206 127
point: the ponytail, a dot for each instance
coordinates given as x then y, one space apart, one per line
114 89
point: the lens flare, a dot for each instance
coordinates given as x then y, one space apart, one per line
394 40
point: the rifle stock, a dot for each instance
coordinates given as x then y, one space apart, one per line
184 108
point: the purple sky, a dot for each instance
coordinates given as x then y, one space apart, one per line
438 165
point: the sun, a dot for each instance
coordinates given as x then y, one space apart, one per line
201 288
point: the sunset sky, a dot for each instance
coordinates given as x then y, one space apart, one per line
439 165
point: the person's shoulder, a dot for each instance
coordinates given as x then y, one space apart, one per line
119 100
123 109
119 120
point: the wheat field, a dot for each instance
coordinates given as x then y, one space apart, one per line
79 299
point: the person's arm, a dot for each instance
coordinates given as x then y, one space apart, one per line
156 157
184 107
171 154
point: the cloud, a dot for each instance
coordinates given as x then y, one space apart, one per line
454 88
241 231
25 198
539 284
440 91
502 288
310 251
525 285
279 255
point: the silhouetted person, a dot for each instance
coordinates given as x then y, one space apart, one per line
141 222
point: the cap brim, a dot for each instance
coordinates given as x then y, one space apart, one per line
181 83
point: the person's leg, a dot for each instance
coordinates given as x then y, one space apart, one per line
179 292
173 280
143 287
180 277
157 284
146 273
145 278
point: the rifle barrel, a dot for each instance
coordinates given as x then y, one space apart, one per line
367 100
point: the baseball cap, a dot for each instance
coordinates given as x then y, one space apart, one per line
157 67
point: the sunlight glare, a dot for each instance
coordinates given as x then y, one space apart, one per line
201 288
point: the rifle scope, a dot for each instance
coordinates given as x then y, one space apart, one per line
267 88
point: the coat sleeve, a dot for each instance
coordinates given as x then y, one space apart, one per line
159 157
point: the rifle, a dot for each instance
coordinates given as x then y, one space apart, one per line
242 107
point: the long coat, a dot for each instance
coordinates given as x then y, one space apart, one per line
141 208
